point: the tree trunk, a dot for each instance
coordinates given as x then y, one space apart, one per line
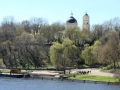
114 65
64 69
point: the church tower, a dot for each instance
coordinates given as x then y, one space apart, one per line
86 22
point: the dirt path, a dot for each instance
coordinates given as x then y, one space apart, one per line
94 71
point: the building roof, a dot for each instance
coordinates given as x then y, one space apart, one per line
86 14
71 19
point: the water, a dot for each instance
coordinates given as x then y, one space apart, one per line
38 84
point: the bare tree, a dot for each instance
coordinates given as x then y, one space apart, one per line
8 29
26 25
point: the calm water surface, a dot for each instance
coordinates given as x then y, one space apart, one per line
38 84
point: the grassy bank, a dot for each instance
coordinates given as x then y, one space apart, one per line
8 71
91 77
4 70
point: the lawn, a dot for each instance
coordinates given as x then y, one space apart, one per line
91 77
5 70
8 70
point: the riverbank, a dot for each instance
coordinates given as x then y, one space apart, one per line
94 75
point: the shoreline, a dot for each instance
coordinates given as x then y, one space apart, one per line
48 74
65 79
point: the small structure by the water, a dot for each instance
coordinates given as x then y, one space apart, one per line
15 71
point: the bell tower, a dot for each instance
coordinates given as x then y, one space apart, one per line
86 22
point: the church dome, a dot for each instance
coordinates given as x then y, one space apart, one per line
71 19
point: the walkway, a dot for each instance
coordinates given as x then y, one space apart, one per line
94 71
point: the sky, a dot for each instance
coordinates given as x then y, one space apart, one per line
60 10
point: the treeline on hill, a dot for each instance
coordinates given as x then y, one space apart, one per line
28 45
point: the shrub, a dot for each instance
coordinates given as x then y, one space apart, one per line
107 67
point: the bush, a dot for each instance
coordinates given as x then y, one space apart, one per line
107 67
82 66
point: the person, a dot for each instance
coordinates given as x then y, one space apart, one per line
90 71
69 71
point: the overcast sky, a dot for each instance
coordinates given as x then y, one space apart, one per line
59 10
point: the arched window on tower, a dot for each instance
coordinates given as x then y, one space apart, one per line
87 21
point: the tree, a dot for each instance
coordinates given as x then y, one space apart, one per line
77 37
96 47
63 55
56 52
9 54
8 29
22 43
86 35
97 32
19 30
87 55
26 26
70 52
38 25
69 33
5 53
56 27
109 53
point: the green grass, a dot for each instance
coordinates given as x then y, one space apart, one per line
8 71
91 77
5 70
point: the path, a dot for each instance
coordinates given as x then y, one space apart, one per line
94 71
